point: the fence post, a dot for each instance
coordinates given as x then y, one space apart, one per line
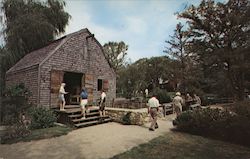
1 90
164 110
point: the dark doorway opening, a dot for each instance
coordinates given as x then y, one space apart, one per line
73 86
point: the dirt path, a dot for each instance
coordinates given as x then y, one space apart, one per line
101 141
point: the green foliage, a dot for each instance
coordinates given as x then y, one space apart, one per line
17 90
30 25
38 134
142 74
116 54
219 40
14 102
41 117
18 130
185 71
174 145
216 123
242 109
162 95
126 119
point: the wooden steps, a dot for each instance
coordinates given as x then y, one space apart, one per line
73 116
92 123
88 119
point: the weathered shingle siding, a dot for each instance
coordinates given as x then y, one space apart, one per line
71 57
101 70
29 77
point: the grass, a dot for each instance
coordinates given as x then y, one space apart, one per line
38 134
175 145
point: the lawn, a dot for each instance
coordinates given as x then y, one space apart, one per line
175 145
38 134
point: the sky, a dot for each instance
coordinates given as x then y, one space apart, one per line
144 25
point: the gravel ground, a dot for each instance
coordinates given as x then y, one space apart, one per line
100 141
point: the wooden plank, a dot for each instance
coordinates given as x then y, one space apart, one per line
80 115
89 85
92 122
56 78
106 85
89 79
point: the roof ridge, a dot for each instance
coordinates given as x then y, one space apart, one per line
63 39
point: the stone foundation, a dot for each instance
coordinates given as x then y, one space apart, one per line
128 116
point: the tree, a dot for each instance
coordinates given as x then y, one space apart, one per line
31 24
220 36
116 54
185 70
142 74
176 50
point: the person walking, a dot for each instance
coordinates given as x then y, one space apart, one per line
102 104
153 107
177 104
83 102
61 96
146 93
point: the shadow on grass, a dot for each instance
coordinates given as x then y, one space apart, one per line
38 134
175 145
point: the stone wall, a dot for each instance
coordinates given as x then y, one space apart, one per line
128 116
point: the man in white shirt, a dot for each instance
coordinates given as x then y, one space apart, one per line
177 104
153 107
102 104
61 97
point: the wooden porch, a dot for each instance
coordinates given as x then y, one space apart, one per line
72 116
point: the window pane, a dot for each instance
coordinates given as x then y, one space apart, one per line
99 87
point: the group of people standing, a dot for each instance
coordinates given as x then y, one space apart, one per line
83 101
153 104
178 103
185 102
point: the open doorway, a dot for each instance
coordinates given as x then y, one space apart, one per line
74 83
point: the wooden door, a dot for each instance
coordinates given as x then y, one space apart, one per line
106 85
56 78
89 85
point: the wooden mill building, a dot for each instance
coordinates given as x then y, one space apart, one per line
76 59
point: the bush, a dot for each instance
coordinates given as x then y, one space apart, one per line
162 95
15 101
17 90
216 123
15 131
242 108
126 119
41 117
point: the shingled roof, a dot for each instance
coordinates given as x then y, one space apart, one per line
37 56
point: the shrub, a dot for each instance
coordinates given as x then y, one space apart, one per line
18 130
14 102
216 123
126 119
162 95
17 90
242 108
41 117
